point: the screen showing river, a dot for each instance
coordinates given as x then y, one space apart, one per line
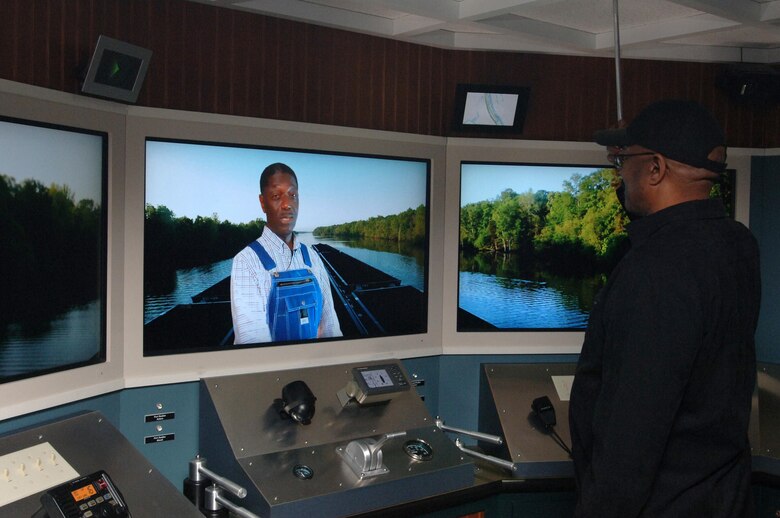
537 242
52 248
363 218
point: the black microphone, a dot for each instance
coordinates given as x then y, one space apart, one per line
543 408
545 411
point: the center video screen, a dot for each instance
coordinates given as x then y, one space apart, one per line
359 260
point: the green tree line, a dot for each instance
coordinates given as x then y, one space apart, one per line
172 242
50 251
579 229
407 226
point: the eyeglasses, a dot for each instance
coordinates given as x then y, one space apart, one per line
619 159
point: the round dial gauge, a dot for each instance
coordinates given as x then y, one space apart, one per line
303 472
418 449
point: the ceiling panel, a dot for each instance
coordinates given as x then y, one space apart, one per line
650 29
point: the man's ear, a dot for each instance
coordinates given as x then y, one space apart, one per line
658 169
262 202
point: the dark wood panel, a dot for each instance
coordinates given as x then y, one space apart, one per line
211 59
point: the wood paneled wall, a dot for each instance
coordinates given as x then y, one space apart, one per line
211 59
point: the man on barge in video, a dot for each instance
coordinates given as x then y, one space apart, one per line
279 289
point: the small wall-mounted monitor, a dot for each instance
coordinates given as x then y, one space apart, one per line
490 108
363 218
53 243
117 70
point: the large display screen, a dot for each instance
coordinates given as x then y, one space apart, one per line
363 220
538 241
52 248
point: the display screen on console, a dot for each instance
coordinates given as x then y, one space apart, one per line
83 492
377 379
362 219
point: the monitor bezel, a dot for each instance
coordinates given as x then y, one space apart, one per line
102 255
178 125
28 102
426 162
535 342
461 326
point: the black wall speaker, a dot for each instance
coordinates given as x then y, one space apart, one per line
751 84
116 70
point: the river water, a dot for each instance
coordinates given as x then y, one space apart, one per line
191 281
70 338
505 299
500 291
518 303
499 296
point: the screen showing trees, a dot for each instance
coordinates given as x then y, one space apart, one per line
52 248
537 243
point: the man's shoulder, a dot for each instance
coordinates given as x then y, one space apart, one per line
248 255
314 257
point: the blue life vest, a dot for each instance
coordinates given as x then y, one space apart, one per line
295 300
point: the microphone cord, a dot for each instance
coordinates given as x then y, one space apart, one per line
559 440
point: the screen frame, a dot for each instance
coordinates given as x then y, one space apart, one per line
27 102
462 93
529 152
252 200
729 177
102 266
462 328
191 126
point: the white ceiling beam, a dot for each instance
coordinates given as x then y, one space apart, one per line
698 53
743 11
411 25
747 12
511 43
664 30
476 9
559 35
321 15
414 17
441 39
770 11
446 10
456 10
768 56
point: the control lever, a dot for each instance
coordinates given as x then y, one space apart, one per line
364 456
494 439
487 458
200 477
215 502
486 437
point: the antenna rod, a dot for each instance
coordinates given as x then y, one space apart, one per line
616 31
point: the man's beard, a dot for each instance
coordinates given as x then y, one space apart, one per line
620 192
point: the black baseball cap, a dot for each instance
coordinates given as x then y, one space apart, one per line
681 130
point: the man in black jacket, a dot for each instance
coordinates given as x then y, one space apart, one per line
661 399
